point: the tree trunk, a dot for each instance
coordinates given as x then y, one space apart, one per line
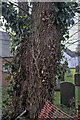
39 63
23 8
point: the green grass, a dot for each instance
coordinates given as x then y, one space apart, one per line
57 98
4 92
3 96
69 77
71 111
0 97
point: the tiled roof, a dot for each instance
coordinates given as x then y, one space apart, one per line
70 53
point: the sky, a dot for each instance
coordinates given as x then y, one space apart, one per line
73 35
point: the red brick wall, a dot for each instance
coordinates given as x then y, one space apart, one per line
4 74
0 71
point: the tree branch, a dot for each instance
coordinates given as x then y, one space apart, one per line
18 7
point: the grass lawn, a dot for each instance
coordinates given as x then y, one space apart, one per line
0 97
57 98
69 77
3 96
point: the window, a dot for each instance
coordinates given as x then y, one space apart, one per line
5 68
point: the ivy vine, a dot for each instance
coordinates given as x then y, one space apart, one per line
64 16
18 27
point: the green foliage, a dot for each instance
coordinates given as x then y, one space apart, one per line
18 27
70 111
64 16
6 101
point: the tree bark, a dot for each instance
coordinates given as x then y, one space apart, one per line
39 63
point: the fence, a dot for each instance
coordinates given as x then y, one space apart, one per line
51 112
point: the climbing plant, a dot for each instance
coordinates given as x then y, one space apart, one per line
19 28
16 25
65 13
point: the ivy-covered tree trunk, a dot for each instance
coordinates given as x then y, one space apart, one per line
38 56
